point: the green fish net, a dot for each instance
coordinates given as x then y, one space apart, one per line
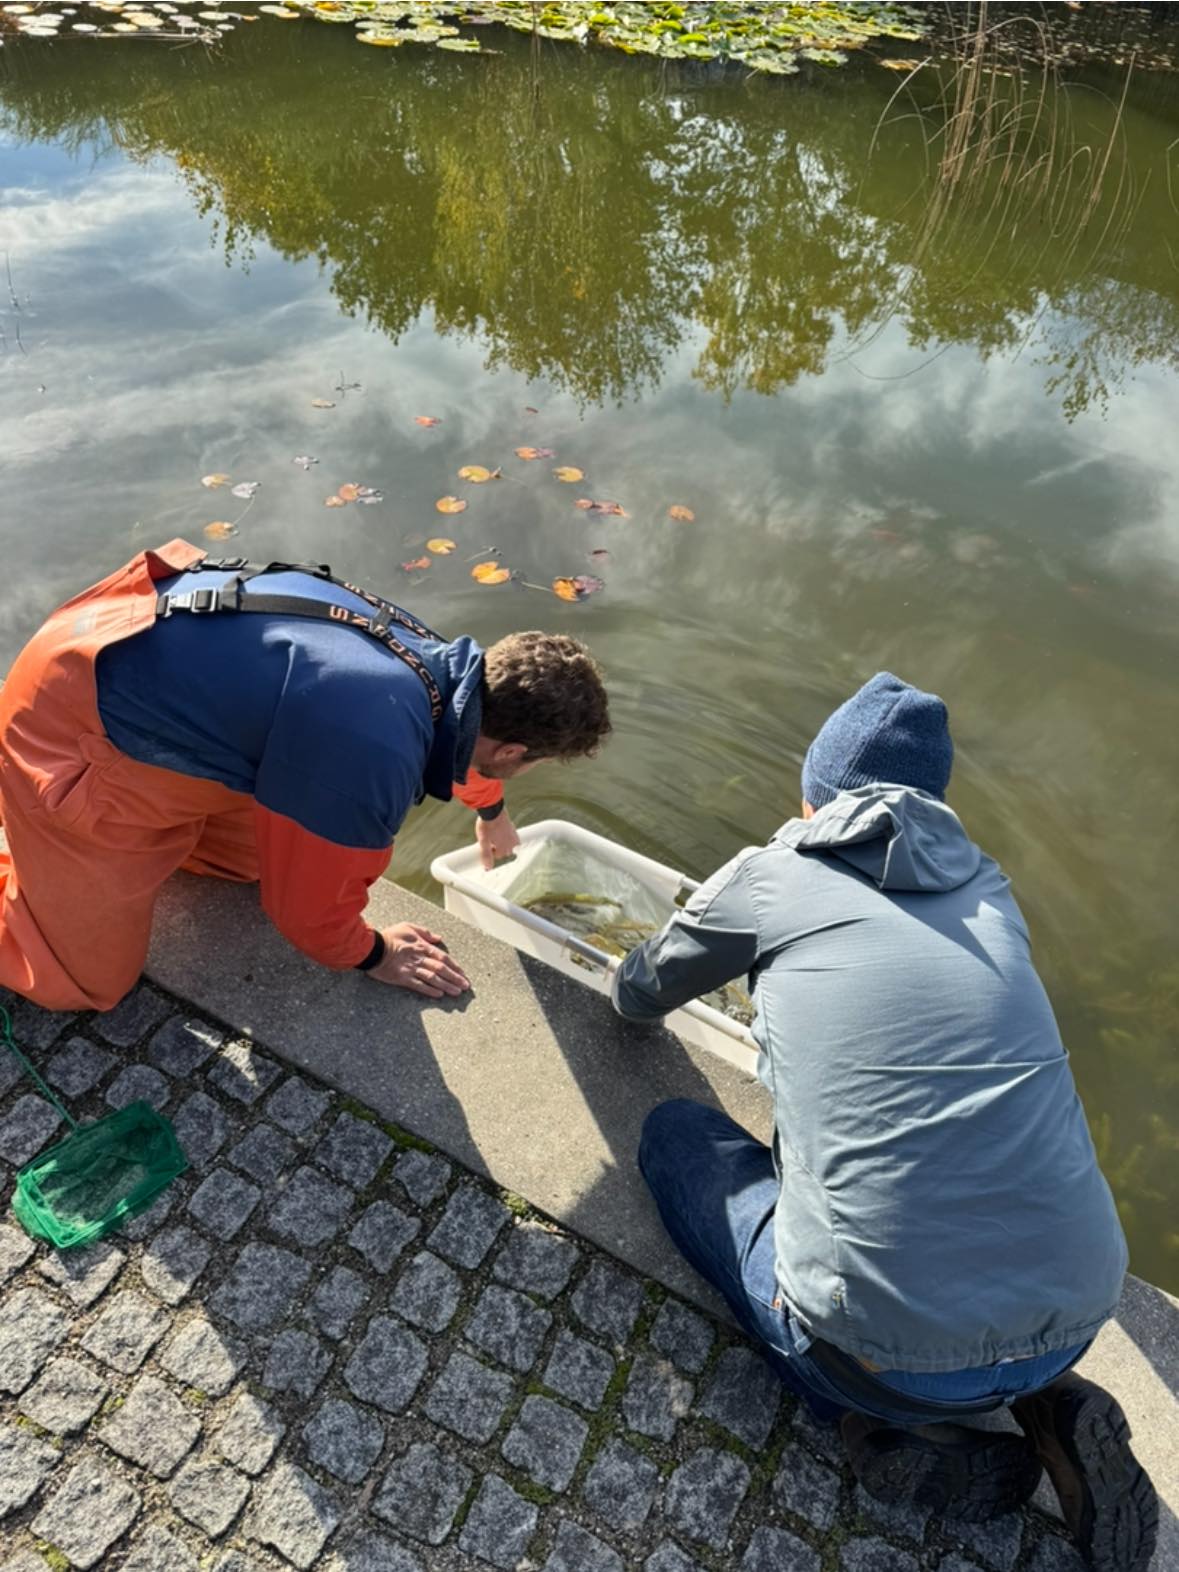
100 1175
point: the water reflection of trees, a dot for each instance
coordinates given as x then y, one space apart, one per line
584 218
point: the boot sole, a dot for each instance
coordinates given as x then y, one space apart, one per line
968 1485
1114 1516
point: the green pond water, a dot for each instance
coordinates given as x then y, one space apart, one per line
925 416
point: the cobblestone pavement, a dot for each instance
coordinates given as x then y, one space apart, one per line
329 1347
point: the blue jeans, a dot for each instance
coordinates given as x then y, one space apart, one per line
716 1190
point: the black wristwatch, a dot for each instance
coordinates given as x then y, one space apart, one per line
493 810
376 955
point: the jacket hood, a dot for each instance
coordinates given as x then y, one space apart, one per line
458 671
901 838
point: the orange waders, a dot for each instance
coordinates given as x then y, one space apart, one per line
92 834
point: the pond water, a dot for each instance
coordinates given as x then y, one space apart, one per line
921 426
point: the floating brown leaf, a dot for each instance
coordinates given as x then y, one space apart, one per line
490 573
418 565
220 530
426 420
323 403
577 588
476 474
214 482
528 410
613 509
685 515
334 501
569 474
348 492
599 554
440 546
585 504
536 453
450 505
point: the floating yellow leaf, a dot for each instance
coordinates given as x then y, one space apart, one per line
214 482
534 453
565 589
335 501
899 65
220 530
685 515
440 546
476 474
490 573
323 403
569 474
348 493
450 505
425 420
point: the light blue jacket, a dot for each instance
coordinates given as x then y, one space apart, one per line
941 1206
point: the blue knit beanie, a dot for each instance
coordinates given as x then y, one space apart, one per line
887 732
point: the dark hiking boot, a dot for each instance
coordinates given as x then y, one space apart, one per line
1105 1494
957 1472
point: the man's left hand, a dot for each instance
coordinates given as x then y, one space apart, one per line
497 839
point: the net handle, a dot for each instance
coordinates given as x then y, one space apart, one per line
30 1070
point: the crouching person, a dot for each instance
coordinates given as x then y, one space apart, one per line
929 1238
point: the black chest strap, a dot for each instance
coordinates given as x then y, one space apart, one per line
229 597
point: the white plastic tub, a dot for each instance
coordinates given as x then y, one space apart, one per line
486 901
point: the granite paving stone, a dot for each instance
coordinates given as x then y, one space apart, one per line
24 1561
422 1175
353 1150
126 1332
260 1287
657 1397
209 1493
204 1356
508 1326
607 1301
173 1261
546 1441
294 1514
236 1561
874 1555
241 1072
32 1026
25 1463
819 1436
807 1488
468 1226
683 1336
422 1492
83 1274
575 1549
344 1439
499 1524
536 1260
669 1558
296 1362
264 1153
579 1369
138 1083
468 1398
337 1300
310 1209
94 1507
957 1564
996 1544
144 1224
78 1067
427 1293
297 1106
744 1396
181 1046
10 1071
388 1365
15 1249
202 1128
368 1552
382 1232
64 1397
222 1202
1051 1555
620 1486
249 1433
159 1551
704 1493
152 1427
131 1019
31 1326
776 1550
26 1128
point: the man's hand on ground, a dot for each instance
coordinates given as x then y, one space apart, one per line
416 959
497 839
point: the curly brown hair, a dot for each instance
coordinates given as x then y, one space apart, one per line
546 691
